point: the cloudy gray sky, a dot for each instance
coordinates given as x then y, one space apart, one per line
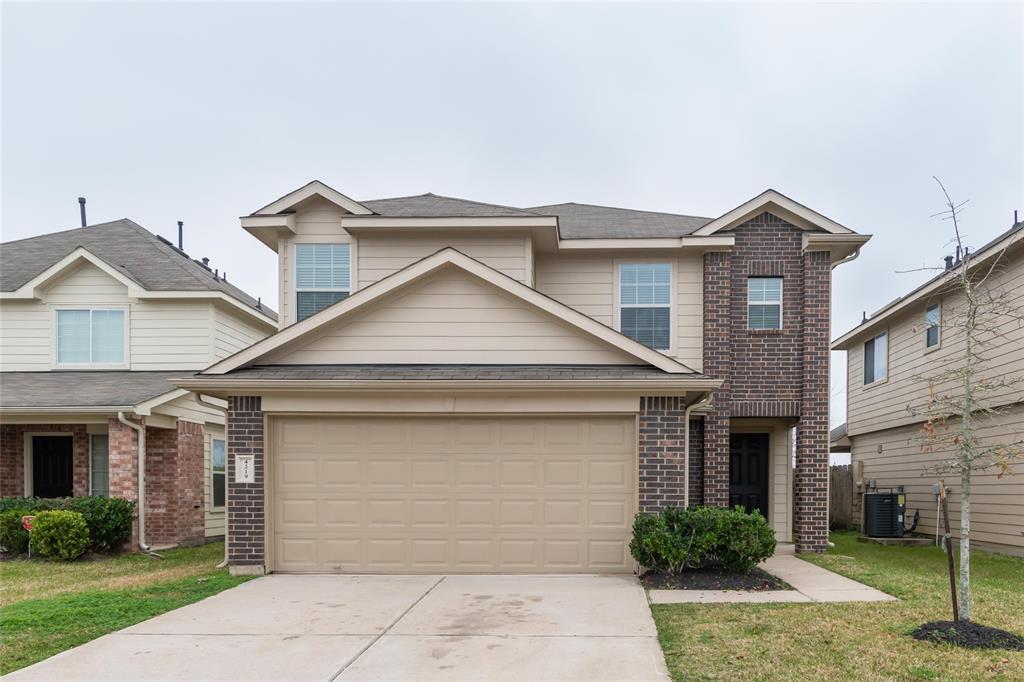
204 112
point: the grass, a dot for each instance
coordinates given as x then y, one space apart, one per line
46 608
856 641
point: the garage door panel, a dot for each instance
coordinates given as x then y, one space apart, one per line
426 494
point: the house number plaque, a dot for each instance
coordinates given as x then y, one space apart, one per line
245 469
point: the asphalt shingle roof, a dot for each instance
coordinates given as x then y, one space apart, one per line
436 206
82 389
837 433
586 221
124 245
452 372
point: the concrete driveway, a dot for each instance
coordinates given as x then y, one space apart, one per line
281 627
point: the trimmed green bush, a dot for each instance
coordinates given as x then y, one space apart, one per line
13 536
678 539
109 519
60 534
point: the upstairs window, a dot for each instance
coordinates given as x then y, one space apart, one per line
876 358
90 337
645 303
764 303
322 277
932 319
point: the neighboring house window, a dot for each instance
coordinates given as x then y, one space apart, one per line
322 277
932 318
99 465
764 303
90 337
645 300
876 358
218 470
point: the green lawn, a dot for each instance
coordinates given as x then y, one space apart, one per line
46 608
851 641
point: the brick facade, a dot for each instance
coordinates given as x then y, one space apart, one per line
12 456
246 514
662 454
770 373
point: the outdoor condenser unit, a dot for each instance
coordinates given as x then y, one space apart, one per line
883 512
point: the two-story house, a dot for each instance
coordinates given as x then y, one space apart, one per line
94 322
467 387
893 360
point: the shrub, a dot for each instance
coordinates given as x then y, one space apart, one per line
677 539
13 536
60 534
109 519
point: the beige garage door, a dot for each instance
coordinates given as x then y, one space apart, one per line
467 495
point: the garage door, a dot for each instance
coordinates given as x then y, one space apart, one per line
464 495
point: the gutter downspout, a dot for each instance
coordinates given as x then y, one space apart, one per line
700 402
141 430
224 411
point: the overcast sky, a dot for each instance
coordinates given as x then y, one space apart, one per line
205 112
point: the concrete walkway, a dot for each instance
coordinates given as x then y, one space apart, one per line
455 627
810 584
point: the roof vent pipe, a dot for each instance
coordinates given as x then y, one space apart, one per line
206 263
224 275
180 235
949 262
81 210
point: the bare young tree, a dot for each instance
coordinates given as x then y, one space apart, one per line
977 312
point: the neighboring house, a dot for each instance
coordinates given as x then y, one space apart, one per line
889 357
94 322
466 387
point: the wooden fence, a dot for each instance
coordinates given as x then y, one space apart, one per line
840 496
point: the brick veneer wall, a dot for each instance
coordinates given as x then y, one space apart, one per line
174 485
770 373
662 454
12 456
246 516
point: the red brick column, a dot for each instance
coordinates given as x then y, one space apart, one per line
124 470
12 461
811 503
174 485
718 364
189 484
246 514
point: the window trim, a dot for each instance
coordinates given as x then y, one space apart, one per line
673 318
927 326
863 359
781 302
55 341
296 289
213 474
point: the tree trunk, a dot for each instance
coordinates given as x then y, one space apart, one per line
965 544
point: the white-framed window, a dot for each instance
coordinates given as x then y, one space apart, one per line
91 336
218 472
764 303
932 321
876 358
645 303
99 465
323 276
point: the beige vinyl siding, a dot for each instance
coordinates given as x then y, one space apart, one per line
587 283
25 341
170 335
232 333
883 405
452 317
997 504
380 256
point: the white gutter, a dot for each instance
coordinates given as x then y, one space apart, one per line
686 444
224 411
141 430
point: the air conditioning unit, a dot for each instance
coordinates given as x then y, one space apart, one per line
883 512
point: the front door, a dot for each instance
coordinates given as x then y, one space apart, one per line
748 471
52 466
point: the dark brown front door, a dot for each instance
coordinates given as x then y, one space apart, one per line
748 471
52 466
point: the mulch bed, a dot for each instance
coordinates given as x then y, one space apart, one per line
713 579
969 635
